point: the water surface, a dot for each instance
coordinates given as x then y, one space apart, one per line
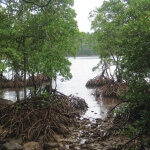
81 70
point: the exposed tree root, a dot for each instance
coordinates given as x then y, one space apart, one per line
126 145
112 89
41 117
11 83
98 81
116 106
121 122
6 83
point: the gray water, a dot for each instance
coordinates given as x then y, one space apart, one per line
81 70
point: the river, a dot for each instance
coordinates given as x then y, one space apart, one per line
81 70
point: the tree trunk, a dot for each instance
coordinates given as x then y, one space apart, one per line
25 82
49 86
16 80
1 75
34 84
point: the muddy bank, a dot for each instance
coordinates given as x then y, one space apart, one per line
84 134
77 133
81 134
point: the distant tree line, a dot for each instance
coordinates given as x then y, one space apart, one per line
85 48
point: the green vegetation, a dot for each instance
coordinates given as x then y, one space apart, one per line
36 37
122 31
86 42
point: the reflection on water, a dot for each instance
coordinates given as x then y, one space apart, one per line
81 70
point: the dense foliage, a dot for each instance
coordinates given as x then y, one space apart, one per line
122 31
36 37
86 42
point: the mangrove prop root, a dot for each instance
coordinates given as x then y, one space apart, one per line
121 147
34 118
98 81
10 83
112 89
112 109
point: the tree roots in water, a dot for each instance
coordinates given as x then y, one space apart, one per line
112 89
11 83
6 83
39 117
98 81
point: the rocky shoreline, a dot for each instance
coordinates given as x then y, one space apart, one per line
84 134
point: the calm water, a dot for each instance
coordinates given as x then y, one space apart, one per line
81 70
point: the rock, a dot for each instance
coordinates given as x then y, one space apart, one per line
13 146
31 146
95 136
71 146
68 141
51 145
19 141
93 126
103 144
99 120
84 146
2 141
2 147
88 142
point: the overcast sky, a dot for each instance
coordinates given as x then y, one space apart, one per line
83 8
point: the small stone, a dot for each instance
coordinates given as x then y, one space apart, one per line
103 144
2 147
95 136
84 146
13 146
2 141
51 145
31 145
71 146
93 126
88 142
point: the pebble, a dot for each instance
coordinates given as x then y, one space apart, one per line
12 146
51 145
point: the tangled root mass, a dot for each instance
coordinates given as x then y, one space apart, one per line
39 117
